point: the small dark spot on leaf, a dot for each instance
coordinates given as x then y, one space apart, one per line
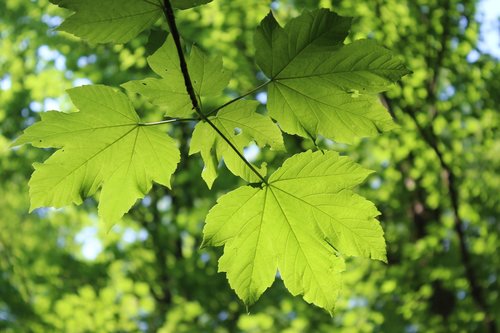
354 93
144 84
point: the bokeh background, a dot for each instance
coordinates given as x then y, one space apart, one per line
437 183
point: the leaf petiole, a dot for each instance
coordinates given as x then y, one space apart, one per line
238 98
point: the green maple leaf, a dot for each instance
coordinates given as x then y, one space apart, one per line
207 75
109 21
103 146
241 124
114 21
296 225
320 86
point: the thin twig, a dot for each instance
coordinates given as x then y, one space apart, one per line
169 15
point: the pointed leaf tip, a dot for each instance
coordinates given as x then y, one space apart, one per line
169 93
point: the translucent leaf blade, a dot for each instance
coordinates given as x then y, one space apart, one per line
302 223
329 175
309 109
277 47
101 146
362 65
320 86
243 208
208 76
186 4
241 124
307 263
110 21
169 94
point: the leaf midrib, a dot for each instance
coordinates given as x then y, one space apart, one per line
115 19
323 212
296 239
299 52
340 110
94 155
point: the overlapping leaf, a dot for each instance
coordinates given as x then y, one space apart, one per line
208 77
115 21
241 124
319 86
296 225
103 145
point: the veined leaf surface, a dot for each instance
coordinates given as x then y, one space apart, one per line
109 21
101 146
241 124
301 224
320 86
208 77
186 4
115 21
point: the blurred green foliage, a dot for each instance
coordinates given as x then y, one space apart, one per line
62 271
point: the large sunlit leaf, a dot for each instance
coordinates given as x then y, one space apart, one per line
241 124
104 145
320 86
115 21
109 21
302 224
207 75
